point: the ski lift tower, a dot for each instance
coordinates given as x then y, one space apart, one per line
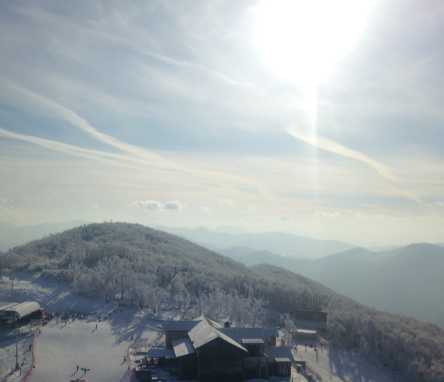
12 278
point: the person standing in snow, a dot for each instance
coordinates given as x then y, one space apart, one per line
77 367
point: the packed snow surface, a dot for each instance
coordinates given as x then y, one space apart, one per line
341 365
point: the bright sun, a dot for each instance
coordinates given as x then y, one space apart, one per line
302 39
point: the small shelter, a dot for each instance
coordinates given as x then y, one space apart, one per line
16 311
310 315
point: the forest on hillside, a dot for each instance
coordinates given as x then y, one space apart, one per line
153 267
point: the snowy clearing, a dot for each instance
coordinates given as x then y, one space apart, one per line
341 365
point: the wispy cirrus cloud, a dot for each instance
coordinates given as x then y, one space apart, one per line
68 115
135 156
64 147
334 147
212 72
225 202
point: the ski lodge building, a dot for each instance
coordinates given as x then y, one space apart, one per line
310 315
202 350
16 311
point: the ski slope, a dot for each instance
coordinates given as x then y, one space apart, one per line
60 348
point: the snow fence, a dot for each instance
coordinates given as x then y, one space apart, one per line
33 347
130 372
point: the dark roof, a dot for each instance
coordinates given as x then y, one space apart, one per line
161 353
271 332
241 334
309 311
282 359
204 333
186 326
202 330
179 326
279 352
252 341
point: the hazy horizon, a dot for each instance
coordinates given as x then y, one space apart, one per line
323 121
49 228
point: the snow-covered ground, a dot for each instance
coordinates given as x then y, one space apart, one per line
341 365
59 348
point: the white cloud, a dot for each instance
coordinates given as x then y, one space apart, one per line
154 205
252 208
5 204
151 205
173 205
225 202
95 206
285 218
321 214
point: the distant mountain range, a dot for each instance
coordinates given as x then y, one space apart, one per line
407 280
284 244
230 229
12 235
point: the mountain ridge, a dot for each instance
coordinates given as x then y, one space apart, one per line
12 235
405 280
281 243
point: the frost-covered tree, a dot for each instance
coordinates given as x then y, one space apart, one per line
290 326
253 308
153 295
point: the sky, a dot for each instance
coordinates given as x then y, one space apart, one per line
324 120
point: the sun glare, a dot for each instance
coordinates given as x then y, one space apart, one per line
301 39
